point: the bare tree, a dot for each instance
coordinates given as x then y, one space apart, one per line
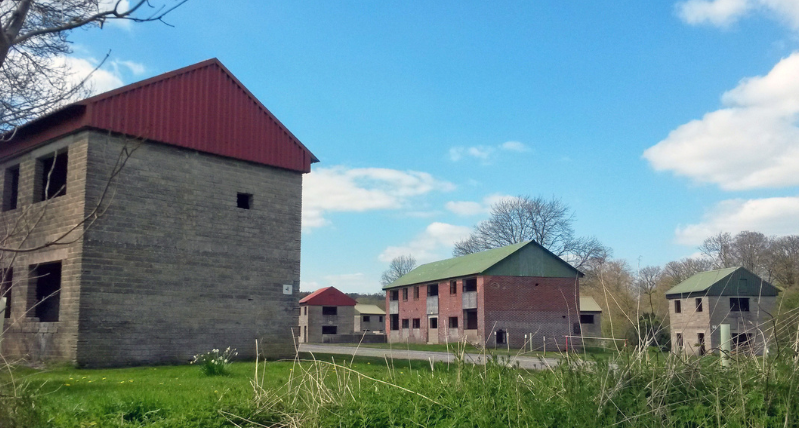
647 283
719 249
399 266
35 79
784 260
546 221
678 271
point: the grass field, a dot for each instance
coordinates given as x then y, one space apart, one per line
443 347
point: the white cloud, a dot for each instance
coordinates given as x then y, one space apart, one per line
722 13
515 146
751 143
471 208
101 80
123 6
135 67
771 216
485 153
435 243
339 189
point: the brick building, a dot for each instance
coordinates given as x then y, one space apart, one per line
495 297
198 247
734 296
327 316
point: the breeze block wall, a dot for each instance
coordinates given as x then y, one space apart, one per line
174 268
37 223
545 307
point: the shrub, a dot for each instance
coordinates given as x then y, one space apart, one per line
215 363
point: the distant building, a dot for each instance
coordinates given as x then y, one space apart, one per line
326 316
590 319
495 297
369 319
734 296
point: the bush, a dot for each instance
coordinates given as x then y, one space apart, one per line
215 363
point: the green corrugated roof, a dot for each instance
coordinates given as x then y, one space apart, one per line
701 281
469 264
588 304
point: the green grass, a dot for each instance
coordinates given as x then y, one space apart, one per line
471 349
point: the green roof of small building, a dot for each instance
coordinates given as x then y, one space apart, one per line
522 259
732 281
369 309
588 304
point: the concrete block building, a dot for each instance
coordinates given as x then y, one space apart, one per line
590 319
734 296
327 316
369 319
494 297
194 245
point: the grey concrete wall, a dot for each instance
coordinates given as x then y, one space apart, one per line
343 320
174 268
374 323
32 224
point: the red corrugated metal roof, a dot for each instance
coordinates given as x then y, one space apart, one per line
328 296
201 107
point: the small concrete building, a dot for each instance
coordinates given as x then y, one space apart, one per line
327 316
734 296
590 320
369 319
193 244
495 297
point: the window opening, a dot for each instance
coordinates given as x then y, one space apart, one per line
470 319
47 278
329 329
576 328
394 321
701 338
405 323
469 285
366 318
5 290
432 289
11 191
393 295
305 310
416 293
677 307
741 340
433 322
244 200
453 322
380 319
699 304
502 337
53 176
679 340
404 294
453 287
586 319
739 304
417 323
329 310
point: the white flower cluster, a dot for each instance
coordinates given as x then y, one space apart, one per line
215 362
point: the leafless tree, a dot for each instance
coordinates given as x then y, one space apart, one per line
35 79
784 260
546 221
399 266
719 249
678 271
647 283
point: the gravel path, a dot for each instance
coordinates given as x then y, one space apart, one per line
398 354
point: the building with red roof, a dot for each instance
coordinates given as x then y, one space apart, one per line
327 316
193 245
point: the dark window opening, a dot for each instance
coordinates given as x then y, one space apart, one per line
5 290
701 338
380 319
305 310
679 340
394 321
405 323
393 295
586 319
416 293
433 322
677 307
417 323
11 191
576 328
699 304
404 294
305 333
502 337
741 340
329 310
469 285
329 329
453 287
470 319
244 200
53 179
739 304
366 318
47 279
453 322
432 289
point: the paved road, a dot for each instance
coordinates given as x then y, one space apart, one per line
397 354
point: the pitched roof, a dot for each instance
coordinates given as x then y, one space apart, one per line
201 107
732 281
328 296
588 304
470 264
369 309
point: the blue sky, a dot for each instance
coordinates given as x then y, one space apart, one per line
659 123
